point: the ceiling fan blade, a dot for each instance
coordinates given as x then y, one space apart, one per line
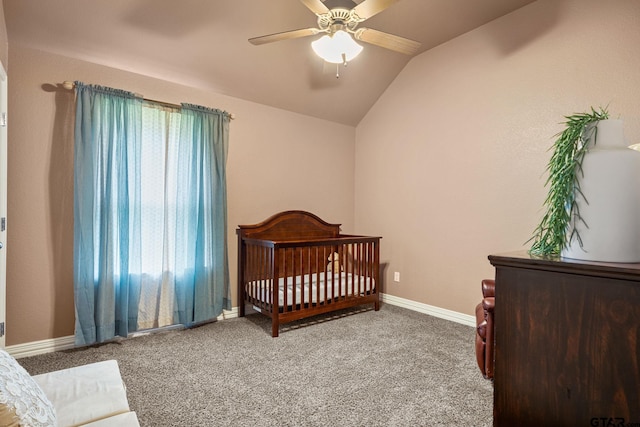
284 36
388 41
315 6
368 8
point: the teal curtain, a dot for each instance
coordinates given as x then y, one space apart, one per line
115 210
202 289
106 212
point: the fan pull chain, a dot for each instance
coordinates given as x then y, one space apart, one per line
344 62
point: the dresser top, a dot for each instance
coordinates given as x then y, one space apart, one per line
522 259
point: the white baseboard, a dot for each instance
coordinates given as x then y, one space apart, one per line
431 310
65 343
40 347
228 314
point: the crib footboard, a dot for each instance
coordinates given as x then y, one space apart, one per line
293 279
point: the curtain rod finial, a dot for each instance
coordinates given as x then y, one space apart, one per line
67 85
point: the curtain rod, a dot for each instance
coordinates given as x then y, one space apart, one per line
70 85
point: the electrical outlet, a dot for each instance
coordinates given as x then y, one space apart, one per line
396 276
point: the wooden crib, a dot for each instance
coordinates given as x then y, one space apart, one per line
295 265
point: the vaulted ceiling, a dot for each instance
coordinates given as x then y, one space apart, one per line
203 43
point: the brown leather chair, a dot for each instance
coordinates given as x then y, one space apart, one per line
484 329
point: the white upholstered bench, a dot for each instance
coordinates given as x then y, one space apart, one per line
88 395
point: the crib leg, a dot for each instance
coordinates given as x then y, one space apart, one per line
241 309
274 327
376 305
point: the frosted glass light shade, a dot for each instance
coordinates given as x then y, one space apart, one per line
332 48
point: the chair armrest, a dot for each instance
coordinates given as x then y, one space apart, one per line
484 328
488 304
85 393
481 321
489 288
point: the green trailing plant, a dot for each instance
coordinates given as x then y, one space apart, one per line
556 229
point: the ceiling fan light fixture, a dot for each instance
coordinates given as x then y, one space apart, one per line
338 48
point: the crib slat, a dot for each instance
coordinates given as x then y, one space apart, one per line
294 297
370 265
352 266
319 268
252 270
285 286
317 264
336 276
267 253
359 267
308 274
259 270
367 267
255 277
348 270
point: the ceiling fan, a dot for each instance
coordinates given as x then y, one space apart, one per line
339 20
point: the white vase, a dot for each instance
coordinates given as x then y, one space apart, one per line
610 182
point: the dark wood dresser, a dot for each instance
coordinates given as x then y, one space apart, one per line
567 342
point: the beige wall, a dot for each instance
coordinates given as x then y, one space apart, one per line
450 161
277 161
449 164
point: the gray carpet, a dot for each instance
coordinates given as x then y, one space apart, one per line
394 367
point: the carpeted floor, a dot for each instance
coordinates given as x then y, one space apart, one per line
394 367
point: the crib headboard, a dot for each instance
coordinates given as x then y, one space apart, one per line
290 225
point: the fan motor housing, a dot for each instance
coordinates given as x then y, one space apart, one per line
340 16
